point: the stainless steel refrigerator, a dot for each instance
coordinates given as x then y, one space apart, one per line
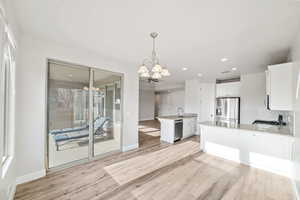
228 110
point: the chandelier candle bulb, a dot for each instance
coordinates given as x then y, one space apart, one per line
165 72
157 68
156 75
143 69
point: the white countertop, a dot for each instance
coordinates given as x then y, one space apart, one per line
250 127
177 117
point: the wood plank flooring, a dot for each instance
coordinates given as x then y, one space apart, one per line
148 139
195 175
128 170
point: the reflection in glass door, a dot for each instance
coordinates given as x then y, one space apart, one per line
68 128
84 113
107 113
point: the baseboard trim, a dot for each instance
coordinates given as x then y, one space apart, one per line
130 147
12 192
295 190
30 177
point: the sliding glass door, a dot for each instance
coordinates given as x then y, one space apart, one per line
107 112
84 113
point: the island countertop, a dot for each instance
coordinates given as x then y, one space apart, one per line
177 117
251 127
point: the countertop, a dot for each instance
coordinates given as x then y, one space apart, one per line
249 127
176 117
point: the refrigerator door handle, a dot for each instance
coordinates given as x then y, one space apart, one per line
268 102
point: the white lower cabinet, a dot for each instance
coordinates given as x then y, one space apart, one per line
167 130
271 152
189 127
268 144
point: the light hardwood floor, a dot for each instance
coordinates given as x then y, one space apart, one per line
148 139
177 171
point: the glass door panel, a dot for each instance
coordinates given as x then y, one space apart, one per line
106 111
68 111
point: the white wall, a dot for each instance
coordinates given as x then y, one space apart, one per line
7 182
169 101
200 99
253 95
31 99
146 104
162 86
295 56
192 96
207 102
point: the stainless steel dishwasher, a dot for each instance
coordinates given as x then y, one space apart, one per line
178 129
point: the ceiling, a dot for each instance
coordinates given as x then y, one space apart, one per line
195 33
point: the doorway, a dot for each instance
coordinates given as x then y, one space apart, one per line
84 113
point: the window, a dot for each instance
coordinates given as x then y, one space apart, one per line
6 104
6 97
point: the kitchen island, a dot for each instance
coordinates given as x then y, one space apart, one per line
175 127
268 148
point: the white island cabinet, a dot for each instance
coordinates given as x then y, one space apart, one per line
268 149
167 127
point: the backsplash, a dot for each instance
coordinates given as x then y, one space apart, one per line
270 115
291 120
288 117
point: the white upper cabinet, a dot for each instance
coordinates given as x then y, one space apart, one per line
231 89
279 87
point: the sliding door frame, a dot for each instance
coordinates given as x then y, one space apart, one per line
91 116
90 155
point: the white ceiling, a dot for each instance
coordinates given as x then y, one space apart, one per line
193 33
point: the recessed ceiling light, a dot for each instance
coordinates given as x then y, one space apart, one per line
234 69
200 75
224 59
184 69
70 75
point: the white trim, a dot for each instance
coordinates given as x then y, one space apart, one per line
30 177
295 190
6 166
12 192
130 147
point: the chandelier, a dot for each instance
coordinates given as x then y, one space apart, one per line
156 71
